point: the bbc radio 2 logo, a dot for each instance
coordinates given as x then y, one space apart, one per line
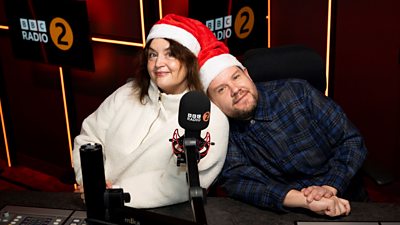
36 31
192 117
221 27
243 24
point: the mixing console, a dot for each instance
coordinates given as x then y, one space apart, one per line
21 215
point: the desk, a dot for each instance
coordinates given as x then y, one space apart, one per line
219 211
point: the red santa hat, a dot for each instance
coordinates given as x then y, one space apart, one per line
178 28
214 57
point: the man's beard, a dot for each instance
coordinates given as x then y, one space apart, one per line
244 114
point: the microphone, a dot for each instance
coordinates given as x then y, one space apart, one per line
193 116
194 113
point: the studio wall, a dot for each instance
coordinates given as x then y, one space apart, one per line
364 64
367 75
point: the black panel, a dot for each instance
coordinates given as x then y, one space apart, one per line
241 24
47 31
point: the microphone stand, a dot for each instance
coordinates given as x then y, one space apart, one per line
196 192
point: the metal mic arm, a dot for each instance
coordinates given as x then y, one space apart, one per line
196 192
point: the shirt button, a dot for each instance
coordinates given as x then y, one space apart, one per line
252 122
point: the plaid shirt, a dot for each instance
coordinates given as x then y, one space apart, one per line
297 138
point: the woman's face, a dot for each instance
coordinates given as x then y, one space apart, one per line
167 72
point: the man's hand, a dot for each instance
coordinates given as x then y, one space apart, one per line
318 192
82 191
332 206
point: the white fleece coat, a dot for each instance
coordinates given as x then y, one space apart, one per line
137 152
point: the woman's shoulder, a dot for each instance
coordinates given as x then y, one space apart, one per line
125 90
217 116
122 94
127 87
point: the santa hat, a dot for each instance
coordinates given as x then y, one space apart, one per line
178 28
213 55
213 58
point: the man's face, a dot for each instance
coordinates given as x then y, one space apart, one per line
234 93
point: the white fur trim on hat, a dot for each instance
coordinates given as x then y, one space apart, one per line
215 65
175 33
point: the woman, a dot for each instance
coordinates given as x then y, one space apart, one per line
135 123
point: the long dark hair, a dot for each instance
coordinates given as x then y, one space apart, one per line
180 52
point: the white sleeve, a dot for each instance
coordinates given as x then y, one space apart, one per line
211 165
94 127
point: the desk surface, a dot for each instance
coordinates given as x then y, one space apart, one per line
218 210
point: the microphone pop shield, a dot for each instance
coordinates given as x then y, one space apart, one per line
194 111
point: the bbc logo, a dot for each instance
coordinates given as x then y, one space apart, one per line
33 30
33 25
219 23
193 117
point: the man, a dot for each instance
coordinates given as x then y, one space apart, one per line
290 146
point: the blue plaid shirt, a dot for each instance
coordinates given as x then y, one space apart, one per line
297 138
